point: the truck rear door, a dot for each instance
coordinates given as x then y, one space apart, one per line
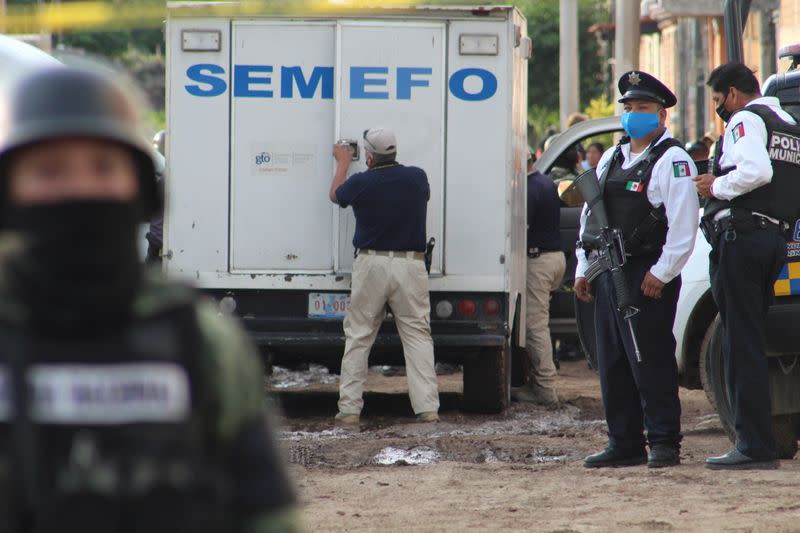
282 130
392 74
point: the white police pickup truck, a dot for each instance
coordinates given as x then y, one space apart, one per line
255 103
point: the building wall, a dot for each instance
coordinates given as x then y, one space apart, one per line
788 26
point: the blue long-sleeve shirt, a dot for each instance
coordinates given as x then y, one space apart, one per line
544 213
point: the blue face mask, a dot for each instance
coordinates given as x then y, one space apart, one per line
639 125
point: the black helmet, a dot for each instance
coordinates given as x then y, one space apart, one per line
65 102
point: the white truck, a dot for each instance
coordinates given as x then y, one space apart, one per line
255 103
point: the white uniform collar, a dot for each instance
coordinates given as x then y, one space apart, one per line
770 101
626 148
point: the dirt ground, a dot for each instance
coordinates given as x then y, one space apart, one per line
518 471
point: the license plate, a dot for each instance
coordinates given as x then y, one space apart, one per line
328 305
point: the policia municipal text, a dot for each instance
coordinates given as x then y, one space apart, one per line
126 405
751 198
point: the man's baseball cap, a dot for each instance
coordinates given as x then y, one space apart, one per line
380 141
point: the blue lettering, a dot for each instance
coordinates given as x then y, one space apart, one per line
242 80
458 79
359 82
198 73
405 81
210 81
292 75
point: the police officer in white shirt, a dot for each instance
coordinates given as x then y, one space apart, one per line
751 199
649 194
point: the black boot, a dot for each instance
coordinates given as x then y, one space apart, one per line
614 457
662 455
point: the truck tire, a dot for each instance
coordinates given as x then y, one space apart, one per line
584 316
712 376
487 380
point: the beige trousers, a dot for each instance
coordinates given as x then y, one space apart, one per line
544 276
403 284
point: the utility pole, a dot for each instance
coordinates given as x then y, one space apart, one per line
568 80
626 40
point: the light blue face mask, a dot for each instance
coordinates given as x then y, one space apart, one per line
639 125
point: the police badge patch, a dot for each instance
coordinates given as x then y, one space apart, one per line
738 131
680 169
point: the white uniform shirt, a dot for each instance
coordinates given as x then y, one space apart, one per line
744 145
679 196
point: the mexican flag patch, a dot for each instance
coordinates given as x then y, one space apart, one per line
634 186
738 131
680 169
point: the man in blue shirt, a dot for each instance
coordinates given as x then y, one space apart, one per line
546 265
390 203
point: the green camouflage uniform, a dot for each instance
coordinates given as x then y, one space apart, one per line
229 356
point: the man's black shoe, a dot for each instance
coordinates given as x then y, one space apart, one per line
614 457
736 460
662 455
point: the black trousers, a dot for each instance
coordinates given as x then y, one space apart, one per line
743 267
638 396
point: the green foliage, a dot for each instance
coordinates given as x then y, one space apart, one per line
155 121
542 122
600 107
543 28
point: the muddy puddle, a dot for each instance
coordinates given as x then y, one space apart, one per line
523 435
285 378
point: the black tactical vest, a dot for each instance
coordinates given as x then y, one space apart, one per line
113 434
643 226
781 197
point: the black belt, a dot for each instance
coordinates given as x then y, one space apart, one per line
536 252
730 224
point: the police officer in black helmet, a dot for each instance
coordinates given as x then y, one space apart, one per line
125 404
751 198
648 194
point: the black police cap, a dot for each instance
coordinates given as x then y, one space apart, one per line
638 85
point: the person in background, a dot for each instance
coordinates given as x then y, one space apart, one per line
155 233
546 265
593 153
698 151
573 119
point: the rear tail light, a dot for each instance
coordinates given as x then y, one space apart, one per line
444 309
491 308
467 308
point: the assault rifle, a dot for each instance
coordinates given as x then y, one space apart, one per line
609 244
